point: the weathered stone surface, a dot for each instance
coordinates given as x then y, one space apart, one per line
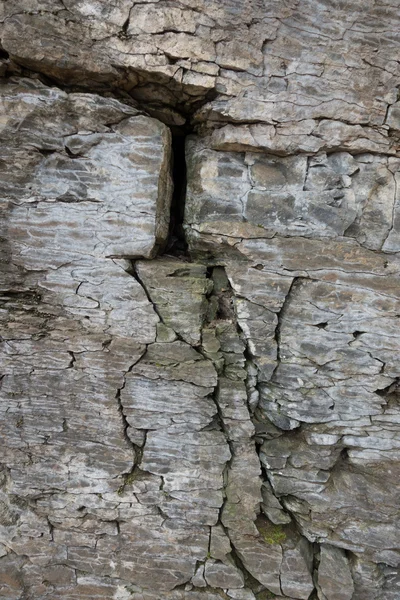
68 327
221 422
75 323
274 63
296 568
271 506
82 158
173 408
283 227
260 195
223 575
326 373
305 136
179 294
334 577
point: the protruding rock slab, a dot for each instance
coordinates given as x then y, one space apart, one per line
334 578
255 195
91 176
314 76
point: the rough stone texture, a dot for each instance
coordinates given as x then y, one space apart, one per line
222 421
323 196
334 577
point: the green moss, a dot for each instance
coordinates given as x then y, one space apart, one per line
265 595
271 533
129 478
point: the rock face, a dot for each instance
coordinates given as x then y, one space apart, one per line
200 388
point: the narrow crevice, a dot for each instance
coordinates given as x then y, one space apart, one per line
68 152
394 205
137 451
280 315
123 416
46 151
316 563
51 529
124 28
222 310
176 244
224 296
72 361
135 472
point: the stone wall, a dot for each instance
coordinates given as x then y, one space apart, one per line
200 359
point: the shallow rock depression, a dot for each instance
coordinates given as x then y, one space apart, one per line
200 300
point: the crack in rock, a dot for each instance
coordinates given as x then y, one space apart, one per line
199 300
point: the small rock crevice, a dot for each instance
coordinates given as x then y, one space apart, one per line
176 243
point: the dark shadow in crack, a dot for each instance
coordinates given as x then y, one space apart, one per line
176 244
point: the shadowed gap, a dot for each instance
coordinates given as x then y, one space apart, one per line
176 245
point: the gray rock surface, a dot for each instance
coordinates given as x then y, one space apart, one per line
214 417
334 577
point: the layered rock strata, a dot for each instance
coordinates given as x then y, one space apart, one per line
220 422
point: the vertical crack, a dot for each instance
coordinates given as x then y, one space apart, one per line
137 452
222 310
135 274
177 245
222 320
393 211
280 316
72 361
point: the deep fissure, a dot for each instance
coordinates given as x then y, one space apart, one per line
176 243
222 310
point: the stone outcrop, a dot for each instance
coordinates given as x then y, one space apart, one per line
200 356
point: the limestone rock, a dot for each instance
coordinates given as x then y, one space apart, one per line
199 387
297 566
271 506
83 159
267 63
334 577
179 294
256 196
223 575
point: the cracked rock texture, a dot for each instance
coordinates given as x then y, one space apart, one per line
205 409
